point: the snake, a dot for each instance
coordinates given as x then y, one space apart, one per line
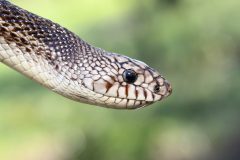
61 61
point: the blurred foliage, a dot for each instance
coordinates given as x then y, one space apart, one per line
194 43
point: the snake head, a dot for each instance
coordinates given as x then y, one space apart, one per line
124 83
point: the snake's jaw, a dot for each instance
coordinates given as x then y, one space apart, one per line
169 89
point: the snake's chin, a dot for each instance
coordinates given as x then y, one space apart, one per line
122 103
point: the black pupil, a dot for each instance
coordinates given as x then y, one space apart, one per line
130 76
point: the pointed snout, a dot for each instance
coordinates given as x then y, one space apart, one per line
168 87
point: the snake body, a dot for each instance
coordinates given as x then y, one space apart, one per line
61 61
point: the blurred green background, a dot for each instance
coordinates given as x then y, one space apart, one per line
194 43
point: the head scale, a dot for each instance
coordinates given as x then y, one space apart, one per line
121 82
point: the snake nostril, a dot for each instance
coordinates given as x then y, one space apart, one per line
156 88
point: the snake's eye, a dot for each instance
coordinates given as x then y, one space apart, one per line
129 76
157 89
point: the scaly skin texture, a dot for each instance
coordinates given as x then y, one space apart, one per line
61 61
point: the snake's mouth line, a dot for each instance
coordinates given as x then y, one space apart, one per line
135 102
115 101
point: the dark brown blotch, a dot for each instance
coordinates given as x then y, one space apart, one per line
108 86
136 93
28 49
24 41
126 90
145 94
14 35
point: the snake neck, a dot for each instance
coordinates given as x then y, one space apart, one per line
44 51
22 32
